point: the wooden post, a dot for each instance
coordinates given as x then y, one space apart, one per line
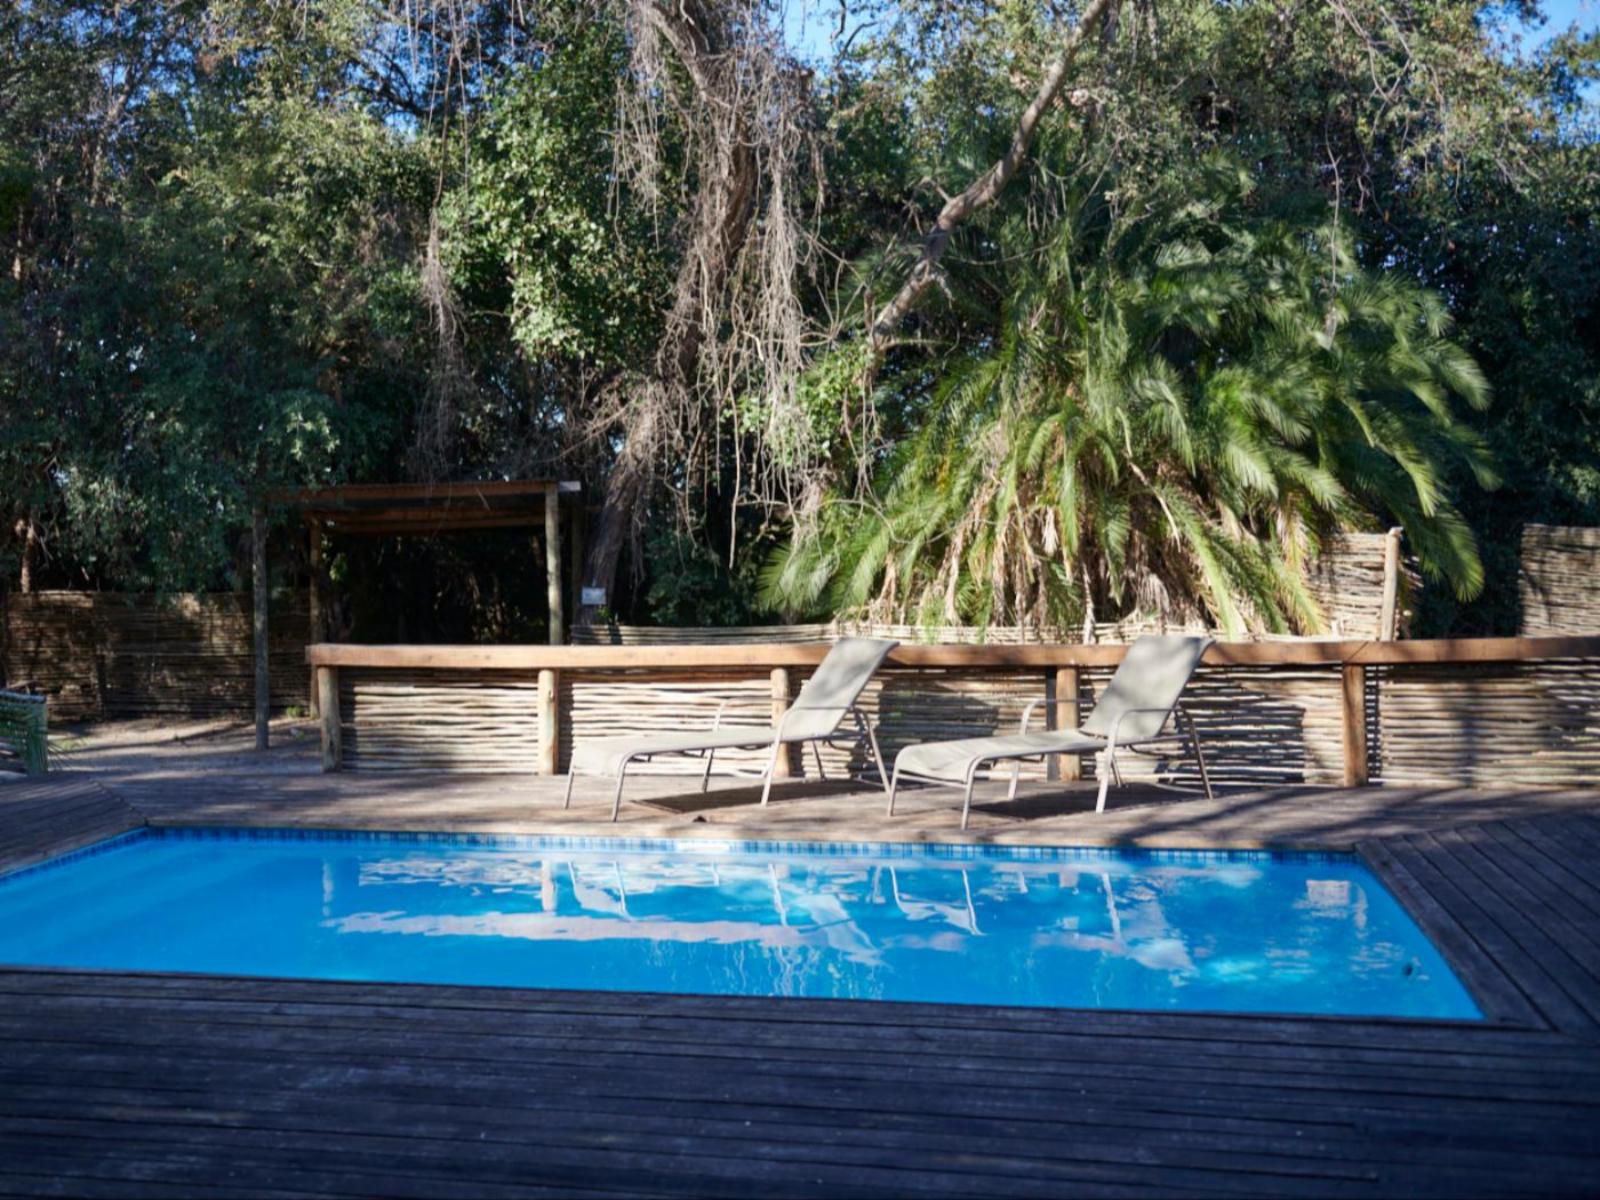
1052 762
552 562
1391 585
784 767
327 694
576 516
1354 711
258 572
549 722
1066 689
314 624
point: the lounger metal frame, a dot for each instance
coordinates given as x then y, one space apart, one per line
1105 758
775 740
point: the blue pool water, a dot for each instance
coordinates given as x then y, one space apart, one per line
1238 932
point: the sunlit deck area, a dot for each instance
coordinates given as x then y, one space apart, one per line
124 1084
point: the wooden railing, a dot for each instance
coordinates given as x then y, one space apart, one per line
1062 670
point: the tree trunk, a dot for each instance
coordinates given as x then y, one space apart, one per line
626 490
28 530
723 214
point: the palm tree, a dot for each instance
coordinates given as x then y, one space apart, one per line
1163 411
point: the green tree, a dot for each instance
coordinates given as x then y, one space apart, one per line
1164 406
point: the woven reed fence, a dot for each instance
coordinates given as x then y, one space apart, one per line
117 654
1269 719
1265 726
1261 726
1523 723
1535 724
1559 580
1502 711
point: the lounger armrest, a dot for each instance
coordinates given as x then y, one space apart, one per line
1048 701
1116 726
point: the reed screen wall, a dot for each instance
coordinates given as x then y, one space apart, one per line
1559 581
1505 711
121 654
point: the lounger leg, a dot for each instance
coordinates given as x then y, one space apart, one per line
877 755
816 752
1108 767
966 804
567 803
622 775
1016 775
705 776
772 766
894 785
1199 757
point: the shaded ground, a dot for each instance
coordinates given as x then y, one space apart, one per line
153 746
209 773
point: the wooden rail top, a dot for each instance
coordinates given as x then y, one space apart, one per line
1353 653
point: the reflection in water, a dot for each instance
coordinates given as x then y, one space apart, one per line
1127 934
1186 932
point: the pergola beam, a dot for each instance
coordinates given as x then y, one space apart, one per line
423 523
402 510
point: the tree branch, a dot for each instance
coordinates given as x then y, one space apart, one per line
985 189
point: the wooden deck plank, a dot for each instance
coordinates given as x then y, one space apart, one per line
45 818
1026 1048
627 1011
1334 1084
243 996
1559 849
147 1084
1443 880
471 1086
1560 987
1574 932
1562 885
947 1170
1579 830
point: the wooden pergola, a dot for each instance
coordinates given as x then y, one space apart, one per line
401 510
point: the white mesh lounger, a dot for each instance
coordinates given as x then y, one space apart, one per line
1140 699
827 698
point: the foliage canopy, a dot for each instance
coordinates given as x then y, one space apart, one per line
1257 279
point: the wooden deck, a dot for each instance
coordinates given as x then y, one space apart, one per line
123 1084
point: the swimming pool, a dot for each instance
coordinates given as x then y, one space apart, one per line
1168 930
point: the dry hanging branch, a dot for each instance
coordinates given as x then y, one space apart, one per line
734 326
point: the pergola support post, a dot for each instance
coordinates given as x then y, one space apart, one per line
314 604
552 562
258 616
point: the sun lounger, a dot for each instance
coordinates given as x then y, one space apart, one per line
1134 711
822 706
